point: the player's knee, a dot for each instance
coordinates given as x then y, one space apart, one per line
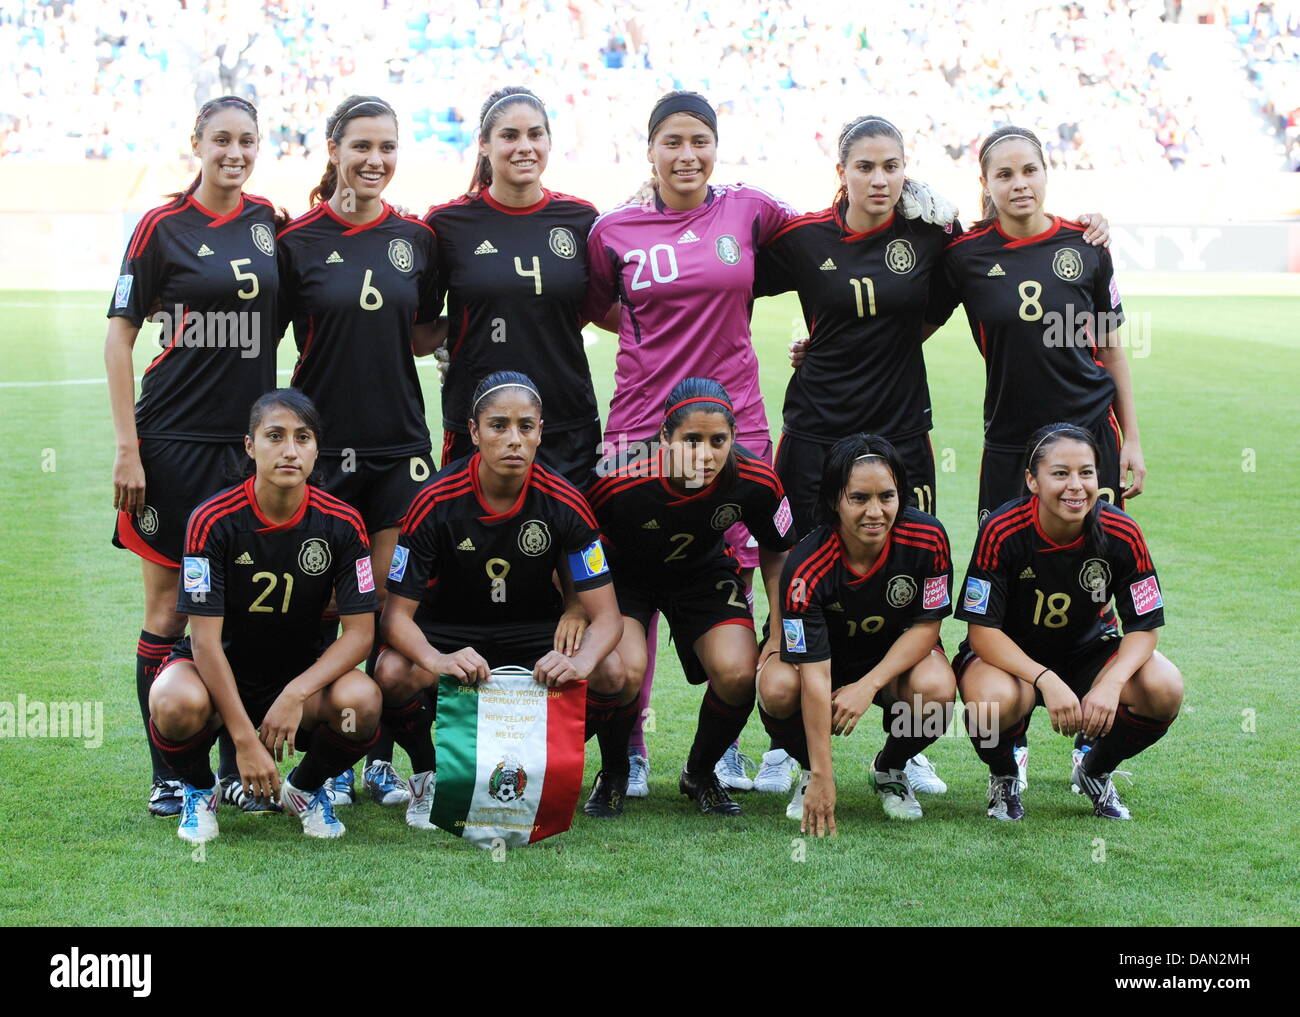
1163 685
608 678
779 689
179 708
733 680
932 684
393 676
356 695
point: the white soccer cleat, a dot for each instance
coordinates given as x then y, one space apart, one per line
778 772
1021 752
638 776
1100 789
896 795
384 785
730 770
1004 799
199 813
1076 761
795 809
314 809
421 786
921 775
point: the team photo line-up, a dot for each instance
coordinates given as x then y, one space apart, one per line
329 570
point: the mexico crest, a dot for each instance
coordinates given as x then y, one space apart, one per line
899 256
508 781
900 591
534 538
314 557
399 253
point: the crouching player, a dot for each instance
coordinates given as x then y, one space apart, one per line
472 584
261 561
1042 631
862 599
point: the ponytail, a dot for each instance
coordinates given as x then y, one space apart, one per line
336 124
494 107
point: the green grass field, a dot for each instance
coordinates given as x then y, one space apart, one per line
1212 841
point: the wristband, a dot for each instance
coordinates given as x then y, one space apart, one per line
1040 674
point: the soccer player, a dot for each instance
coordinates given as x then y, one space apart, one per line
1042 630
204 266
359 283
664 513
262 560
513 260
1043 308
472 586
862 599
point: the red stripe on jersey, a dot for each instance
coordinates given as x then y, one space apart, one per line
271 526
146 227
487 199
418 222
217 218
997 531
984 342
333 506
306 347
303 220
559 196
448 443
464 199
879 564
440 490
352 229
464 331
803 220
600 498
560 489
1052 545
180 330
639 468
258 199
1071 224
821 559
928 537
488 515
759 472
233 502
1129 531
1052 227
1134 547
850 237
970 235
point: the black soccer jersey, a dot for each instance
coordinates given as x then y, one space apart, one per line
515 281
1035 308
212 281
478 571
270 582
353 293
864 297
661 539
830 612
1053 600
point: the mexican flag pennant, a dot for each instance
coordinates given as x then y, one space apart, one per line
510 757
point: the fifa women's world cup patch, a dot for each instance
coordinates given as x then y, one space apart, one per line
795 642
122 294
589 562
196 574
976 600
397 570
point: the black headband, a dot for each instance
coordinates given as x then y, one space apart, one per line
689 102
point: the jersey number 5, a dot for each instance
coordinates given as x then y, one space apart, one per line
244 277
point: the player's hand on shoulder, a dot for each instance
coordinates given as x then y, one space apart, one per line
819 807
465 665
1097 232
556 669
1061 703
281 724
128 481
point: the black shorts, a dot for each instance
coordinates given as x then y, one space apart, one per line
1002 472
381 488
516 645
799 464
178 476
572 453
1078 671
712 598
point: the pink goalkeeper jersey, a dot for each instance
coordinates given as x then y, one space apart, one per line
686 281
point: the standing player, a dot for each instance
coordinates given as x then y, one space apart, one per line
664 513
513 260
262 560
862 599
1037 597
197 264
360 287
472 583
1043 309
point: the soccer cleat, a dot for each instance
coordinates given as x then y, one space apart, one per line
921 775
708 793
730 770
343 788
1021 752
1004 799
384 785
315 810
166 798
607 794
777 773
638 777
420 800
896 794
198 813
1101 790
795 809
1082 746
233 793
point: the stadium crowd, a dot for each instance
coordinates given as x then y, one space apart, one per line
97 79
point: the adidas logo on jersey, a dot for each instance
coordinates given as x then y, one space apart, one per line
688 237
465 545
334 259
837 606
828 265
244 559
204 251
485 248
996 271
653 524
1028 573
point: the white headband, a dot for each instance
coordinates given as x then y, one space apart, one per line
869 455
1007 137
509 384
1059 430
512 97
